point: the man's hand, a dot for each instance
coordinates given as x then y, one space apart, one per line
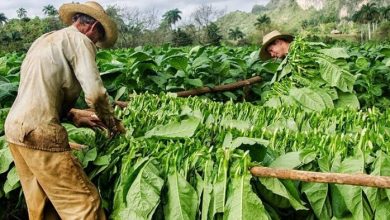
85 118
88 118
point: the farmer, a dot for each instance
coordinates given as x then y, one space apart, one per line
57 67
275 45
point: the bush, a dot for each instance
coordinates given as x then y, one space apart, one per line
383 32
181 38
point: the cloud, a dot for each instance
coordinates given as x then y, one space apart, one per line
34 8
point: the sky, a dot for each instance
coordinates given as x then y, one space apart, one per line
34 8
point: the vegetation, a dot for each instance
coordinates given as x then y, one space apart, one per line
209 25
323 108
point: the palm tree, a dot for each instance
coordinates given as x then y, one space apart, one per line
49 10
3 19
386 13
369 14
172 16
21 12
262 20
236 34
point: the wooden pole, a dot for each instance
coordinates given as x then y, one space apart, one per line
220 88
203 90
76 146
317 177
121 104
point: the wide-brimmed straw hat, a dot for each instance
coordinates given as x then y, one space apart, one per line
270 38
95 10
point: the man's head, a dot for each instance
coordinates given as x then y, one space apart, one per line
89 26
275 45
91 20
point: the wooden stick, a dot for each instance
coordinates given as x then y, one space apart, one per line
200 91
76 146
121 104
317 177
220 88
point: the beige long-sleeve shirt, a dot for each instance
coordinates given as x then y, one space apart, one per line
57 66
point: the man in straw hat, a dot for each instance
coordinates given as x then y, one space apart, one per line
275 45
56 68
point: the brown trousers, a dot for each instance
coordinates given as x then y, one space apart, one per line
55 185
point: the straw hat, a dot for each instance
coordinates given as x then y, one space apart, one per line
96 11
270 38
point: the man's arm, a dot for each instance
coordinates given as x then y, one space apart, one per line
85 69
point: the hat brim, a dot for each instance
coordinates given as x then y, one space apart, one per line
264 55
67 11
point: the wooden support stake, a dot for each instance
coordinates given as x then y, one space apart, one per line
220 88
317 177
203 90
76 146
121 104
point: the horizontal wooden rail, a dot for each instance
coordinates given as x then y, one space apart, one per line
318 177
220 88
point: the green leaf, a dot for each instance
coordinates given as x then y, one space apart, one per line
362 63
347 100
353 195
381 168
120 93
283 124
383 211
104 55
248 141
243 203
230 95
194 82
220 185
308 98
179 62
335 75
12 181
273 102
85 156
230 143
388 63
129 173
182 199
227 141
336 52
276 186
8 89
207 189
5 157
111 71
184 129
285 71
200 61
290 160
84 136
102 160
143 196
317 195
140 56
238 124
326 97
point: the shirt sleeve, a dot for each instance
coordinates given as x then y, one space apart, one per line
82 56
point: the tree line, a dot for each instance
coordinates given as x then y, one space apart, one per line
147 27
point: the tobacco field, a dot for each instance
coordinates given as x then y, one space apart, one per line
324 108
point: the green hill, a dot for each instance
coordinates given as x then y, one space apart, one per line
292 15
